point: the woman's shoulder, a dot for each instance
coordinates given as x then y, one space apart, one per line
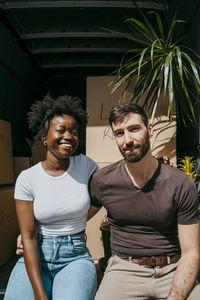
30 171
86 163
84 158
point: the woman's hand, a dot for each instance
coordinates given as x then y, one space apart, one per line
19 250
165 159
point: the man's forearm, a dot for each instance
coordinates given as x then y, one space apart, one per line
185 277
92 212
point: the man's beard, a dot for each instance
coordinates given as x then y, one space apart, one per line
141 150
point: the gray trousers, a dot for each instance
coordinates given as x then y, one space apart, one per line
125 280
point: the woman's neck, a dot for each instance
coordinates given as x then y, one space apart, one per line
55 166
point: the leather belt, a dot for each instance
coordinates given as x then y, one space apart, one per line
155 261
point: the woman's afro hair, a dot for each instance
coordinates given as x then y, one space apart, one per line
42 112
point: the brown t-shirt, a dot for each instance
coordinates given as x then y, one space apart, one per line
144 221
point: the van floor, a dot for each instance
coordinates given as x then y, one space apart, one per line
7 268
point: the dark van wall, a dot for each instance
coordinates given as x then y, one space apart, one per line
188 137
20 84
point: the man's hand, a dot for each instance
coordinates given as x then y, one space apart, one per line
19 250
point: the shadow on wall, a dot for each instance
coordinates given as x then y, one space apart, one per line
163 142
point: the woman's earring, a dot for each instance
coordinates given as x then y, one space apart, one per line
45 143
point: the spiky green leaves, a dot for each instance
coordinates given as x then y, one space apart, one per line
160 65
188 165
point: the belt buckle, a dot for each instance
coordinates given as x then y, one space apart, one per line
148 261
153 261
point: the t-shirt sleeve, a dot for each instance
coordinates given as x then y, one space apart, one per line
187 207
23 189
91 166
94 191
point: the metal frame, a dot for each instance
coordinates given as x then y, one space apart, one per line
83 49
48 35
97 4
83 65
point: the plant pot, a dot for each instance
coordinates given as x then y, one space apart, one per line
102 264
105 229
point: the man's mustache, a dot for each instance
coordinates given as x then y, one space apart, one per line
132 146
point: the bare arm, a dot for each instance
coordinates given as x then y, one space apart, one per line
31 254
186 273
92 211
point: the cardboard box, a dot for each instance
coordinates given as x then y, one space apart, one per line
20 164
6 159
8 225
38 151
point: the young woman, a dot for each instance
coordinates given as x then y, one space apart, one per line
52 203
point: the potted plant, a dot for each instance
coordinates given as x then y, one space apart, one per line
105 231
157 64
189 165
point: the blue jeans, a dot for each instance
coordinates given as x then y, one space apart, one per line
68 271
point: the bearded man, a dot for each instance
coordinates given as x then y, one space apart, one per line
152 209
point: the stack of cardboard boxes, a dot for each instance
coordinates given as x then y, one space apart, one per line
8 220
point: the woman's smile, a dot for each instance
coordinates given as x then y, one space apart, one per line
62 137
